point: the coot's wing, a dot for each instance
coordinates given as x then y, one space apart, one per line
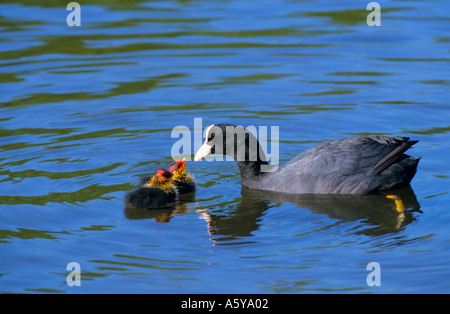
360 154
350 165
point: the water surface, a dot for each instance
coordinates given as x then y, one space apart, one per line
85 111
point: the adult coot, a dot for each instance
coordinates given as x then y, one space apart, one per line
158 191
182 180
354 165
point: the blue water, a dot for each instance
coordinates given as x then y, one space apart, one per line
85 111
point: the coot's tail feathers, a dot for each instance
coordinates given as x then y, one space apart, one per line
400 145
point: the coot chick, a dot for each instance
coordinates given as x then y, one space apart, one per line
353 165
182 180
158 191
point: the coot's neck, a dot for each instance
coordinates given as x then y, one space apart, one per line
251 170
242 146
253 164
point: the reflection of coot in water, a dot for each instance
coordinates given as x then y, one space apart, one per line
376 213
182 180
354 165
153 192
162 215
398 202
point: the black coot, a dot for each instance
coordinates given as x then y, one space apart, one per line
154 192
182 180
354 165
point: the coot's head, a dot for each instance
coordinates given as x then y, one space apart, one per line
230 140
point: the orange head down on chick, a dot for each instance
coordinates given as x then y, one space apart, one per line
182 180
161 180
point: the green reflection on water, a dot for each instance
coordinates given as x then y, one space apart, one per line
45 290
57 3
9 78
35 131
30 173
76 45
247 79
9 25
26 234
122 88
430 131
368 73
144 265
347 17
92 192
330 92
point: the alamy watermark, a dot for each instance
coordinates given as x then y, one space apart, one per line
74 277
374 17
374 277
74 17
